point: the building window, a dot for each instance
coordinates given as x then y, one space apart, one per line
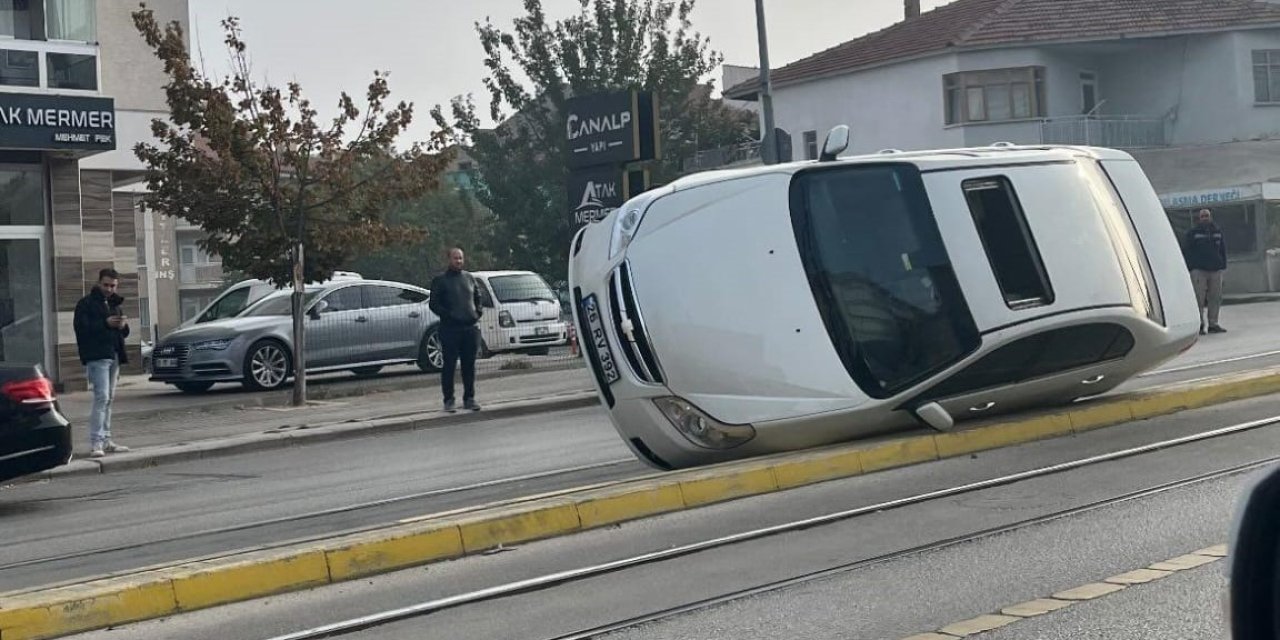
1007 240
1266 76
811 145
21 195
73 71
1088 92
994 95
16 19
19 68
75 20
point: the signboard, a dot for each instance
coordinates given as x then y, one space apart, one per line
1192 199
57 122
611 129
593 193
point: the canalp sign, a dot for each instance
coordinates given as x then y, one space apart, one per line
57 122
611 129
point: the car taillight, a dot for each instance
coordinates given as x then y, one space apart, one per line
29 392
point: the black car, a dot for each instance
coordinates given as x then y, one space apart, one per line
34 435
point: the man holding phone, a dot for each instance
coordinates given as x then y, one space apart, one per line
100 332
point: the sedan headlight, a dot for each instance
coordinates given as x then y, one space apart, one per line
212 345
624 229
700 428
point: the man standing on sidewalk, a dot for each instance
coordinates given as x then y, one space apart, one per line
455 299
100 332
1206 253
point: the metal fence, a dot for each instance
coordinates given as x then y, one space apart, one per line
1119 132
723 157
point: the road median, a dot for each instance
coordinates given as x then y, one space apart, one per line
53 612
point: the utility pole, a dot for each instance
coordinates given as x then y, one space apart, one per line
768 142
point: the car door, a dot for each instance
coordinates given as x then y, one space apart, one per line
489 329
336 334
394 321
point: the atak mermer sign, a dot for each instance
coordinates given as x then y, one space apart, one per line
57 122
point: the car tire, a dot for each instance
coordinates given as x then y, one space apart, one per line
430 352
193 387
365 372
267 366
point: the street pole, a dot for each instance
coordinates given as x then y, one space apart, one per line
768 145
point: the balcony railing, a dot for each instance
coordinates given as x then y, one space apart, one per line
736 155
200 274
1118 132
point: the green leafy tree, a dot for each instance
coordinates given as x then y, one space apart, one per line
610 45
281 193
445 218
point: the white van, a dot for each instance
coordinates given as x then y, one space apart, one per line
744 312
522 313
240 295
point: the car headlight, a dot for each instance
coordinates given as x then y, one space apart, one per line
624 229
212 345
700 428
505 320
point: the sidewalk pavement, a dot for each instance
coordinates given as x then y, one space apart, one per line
142 428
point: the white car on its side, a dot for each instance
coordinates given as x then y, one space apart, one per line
743 312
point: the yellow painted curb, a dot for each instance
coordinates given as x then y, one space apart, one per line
52 612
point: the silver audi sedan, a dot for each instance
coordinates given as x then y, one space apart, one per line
356 325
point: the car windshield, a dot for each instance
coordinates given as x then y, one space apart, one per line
880 274
278 304
521 287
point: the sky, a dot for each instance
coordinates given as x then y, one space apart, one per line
431 50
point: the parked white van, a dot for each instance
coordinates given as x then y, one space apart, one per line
744 312
240 295
522 313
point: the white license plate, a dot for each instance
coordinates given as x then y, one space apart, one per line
608 367
166 363
541 331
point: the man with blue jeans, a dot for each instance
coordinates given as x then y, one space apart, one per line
100 332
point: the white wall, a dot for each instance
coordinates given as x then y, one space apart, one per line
131 73
896 107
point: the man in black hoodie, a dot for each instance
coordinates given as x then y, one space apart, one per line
100 332
455 299
1205 251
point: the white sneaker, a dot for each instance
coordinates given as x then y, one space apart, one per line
115 448
97 453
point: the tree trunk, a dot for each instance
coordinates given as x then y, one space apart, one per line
299 330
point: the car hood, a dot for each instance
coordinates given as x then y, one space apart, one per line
226 328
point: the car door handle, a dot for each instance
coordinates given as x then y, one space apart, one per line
415 314
1094 380
362 319
981 408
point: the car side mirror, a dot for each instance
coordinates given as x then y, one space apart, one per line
317 309
1252 563
935 416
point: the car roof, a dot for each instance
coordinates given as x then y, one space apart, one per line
491 274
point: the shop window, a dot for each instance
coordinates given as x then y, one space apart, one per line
21 195
1273 225
1239 224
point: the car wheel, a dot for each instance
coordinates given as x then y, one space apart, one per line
267 366
431 352
365 372
193 387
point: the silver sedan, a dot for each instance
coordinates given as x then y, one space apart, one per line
361 326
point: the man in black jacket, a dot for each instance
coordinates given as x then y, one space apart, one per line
455 298
100 332
1205 251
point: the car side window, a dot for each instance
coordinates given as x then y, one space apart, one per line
409 296
486 300
376 296
345 299
228 306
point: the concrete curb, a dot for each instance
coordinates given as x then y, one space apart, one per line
52 612
277 439
329 389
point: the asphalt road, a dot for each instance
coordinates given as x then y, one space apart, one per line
887 599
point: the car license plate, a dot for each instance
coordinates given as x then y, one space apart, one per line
166 363
608 368
540 331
